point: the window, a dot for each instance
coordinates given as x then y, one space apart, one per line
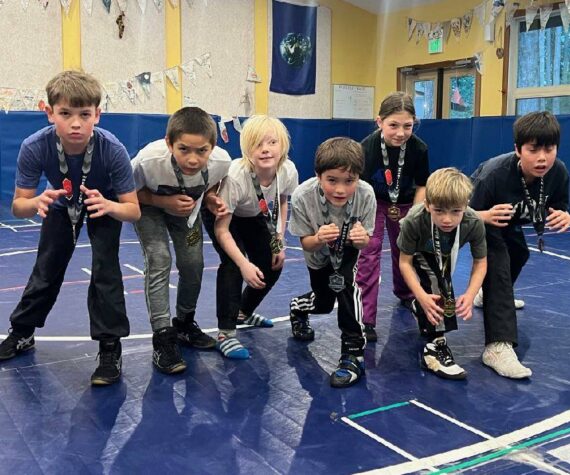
539 72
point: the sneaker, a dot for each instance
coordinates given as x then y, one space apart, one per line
348 372
255 320
15 344
437 357
110 362
478 301
301 327
502 358
370 333
190 334
166 354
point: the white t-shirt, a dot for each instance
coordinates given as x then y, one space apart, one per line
239 193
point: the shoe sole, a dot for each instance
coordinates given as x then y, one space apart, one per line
505 376
304 337
104 382
16 353
452 377
175 369
352 383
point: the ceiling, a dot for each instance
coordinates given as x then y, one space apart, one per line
382 6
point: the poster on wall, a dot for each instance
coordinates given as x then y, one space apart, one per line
353 102
294 49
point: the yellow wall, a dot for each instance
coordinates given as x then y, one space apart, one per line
394 49
353 47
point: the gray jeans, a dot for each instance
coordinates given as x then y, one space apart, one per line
154 229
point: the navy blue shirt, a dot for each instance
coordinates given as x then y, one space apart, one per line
111 171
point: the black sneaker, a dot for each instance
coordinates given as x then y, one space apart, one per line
190 334
110 362
14 344
348 372
437 357
301 327
370 333
166 354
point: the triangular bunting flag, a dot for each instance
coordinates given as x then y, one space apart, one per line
122 5
41 99
172 75
530 15
205 62
510 12
157 79
223 131
411 27
564 16
467 20
128 90
497 7
28 98
144 81
446 30
88 4
107 5
237 123
479 13
252 75
158 4
44 3
545 12
421 30
7 95
568 5
456 27
66 4
112 91
142 5
188 69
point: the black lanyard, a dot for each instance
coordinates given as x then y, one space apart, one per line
270 218
182 186
538 212
74 209
393 188
443 269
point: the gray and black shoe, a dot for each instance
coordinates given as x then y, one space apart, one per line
110 362
166 354
15 344
190 334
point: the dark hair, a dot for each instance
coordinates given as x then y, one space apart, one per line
397 102
79 89
538 128
339 152
191 120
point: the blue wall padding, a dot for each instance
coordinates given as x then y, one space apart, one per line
463 143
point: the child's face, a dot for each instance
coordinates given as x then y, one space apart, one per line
73 125
191 152
338 185
446 219
397 128
266 154
536 161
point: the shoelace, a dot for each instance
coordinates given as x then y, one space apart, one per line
443 353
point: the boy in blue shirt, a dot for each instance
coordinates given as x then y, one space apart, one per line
90 176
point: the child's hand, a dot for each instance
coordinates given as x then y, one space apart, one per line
216 205
46 199
252 275
558 219
179 205
278 260
358 235
431 307
464 307
327 233
96 203
499 215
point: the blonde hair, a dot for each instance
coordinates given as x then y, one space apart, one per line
254 130
77 88
448 188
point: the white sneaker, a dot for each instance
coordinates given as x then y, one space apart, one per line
502 358
478 301
437 357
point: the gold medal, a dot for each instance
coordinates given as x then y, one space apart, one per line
276 244
448 307
394 212
193 237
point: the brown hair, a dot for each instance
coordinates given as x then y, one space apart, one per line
79 89
339 152
191 120
397 102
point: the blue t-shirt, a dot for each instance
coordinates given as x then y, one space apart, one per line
110 173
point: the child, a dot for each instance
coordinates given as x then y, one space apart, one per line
430 237
529 185
89 172
255 191
173 176
397 167
333 214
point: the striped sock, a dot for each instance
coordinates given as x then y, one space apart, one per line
255 320
231 348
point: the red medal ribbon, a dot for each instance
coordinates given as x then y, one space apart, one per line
388 176
263 206
68 187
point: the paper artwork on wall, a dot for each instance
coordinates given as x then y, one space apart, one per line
144 81
530 15
223 131
456 27
158 4
545 12
467 20
411 27
252 76
188 69
88 5
157 80
172 75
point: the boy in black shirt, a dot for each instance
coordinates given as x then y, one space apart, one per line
529 185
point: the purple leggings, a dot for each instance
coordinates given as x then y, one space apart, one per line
368 275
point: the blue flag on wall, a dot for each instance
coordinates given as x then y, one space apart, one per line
294 59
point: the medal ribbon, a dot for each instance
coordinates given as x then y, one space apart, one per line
443 272
180 179
337 249
538 212
74 209
393 191
272 218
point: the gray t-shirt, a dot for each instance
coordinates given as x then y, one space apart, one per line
416 232
307 216
239 194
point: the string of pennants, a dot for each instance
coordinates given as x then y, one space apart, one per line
88 4
486 13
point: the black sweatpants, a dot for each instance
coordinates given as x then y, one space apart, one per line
321 299
105 298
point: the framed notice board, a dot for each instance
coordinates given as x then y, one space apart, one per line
353 102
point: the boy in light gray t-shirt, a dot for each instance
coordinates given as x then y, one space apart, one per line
333 214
